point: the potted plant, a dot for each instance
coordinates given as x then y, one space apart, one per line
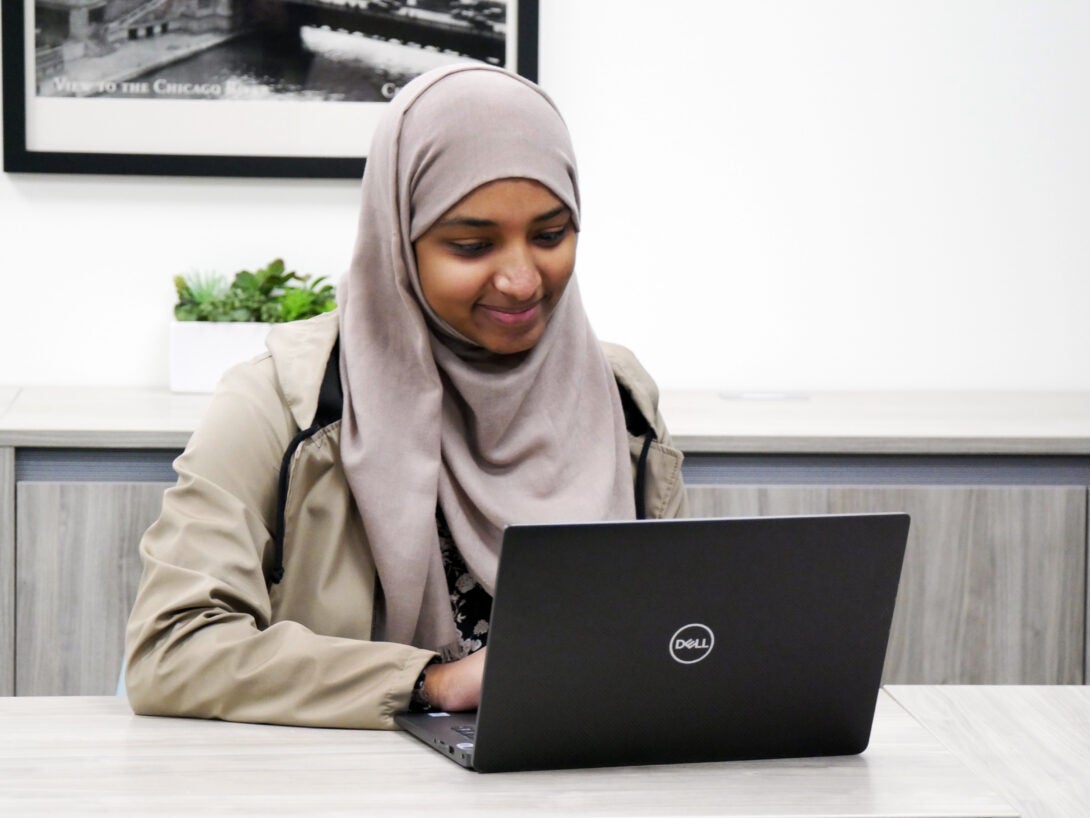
218 324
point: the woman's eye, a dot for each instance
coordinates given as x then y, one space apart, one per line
552 237
469 248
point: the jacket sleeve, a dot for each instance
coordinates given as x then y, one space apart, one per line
201 640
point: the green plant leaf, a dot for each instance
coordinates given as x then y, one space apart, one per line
269 294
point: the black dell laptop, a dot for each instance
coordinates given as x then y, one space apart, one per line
664 641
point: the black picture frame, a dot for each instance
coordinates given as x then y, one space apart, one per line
18 158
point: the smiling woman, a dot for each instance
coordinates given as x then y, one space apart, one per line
496 264
459 389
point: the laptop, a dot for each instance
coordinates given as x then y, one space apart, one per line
670 641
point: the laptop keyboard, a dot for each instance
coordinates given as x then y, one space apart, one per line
467 730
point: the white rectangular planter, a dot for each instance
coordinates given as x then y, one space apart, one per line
201 351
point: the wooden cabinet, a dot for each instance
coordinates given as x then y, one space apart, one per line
78 566
7 571
993 588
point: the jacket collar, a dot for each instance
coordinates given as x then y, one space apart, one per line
631 375
299 352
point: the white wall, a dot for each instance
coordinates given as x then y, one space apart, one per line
777 195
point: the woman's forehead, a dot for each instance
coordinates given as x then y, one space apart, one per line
526 199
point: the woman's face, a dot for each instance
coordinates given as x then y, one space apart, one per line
495 265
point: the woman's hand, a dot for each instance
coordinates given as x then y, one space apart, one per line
456 685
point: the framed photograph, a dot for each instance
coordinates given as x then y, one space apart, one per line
274 88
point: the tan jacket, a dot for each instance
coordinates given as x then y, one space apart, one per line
207 637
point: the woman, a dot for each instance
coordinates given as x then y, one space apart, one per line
328 560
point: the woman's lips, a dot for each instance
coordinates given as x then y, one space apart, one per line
518 315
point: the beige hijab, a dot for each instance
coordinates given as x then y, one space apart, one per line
429 416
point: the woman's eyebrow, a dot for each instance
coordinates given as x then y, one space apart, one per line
470 221
556 211
465 221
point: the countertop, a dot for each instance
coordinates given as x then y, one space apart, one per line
946 423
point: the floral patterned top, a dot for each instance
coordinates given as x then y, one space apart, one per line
470 603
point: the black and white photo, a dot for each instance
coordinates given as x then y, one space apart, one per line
230 87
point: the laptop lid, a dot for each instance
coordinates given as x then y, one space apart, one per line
664 641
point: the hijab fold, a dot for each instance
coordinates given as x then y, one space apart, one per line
429 416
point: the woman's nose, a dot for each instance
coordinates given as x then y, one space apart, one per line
518 276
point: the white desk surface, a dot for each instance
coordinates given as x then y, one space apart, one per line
1054 423
74 755
99 417
1032 744
7 395
880 422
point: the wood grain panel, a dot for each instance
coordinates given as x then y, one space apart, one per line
7 571
77 570
994 582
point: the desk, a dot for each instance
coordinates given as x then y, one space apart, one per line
1032 744
90 755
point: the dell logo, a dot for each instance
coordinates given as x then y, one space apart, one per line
691 643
